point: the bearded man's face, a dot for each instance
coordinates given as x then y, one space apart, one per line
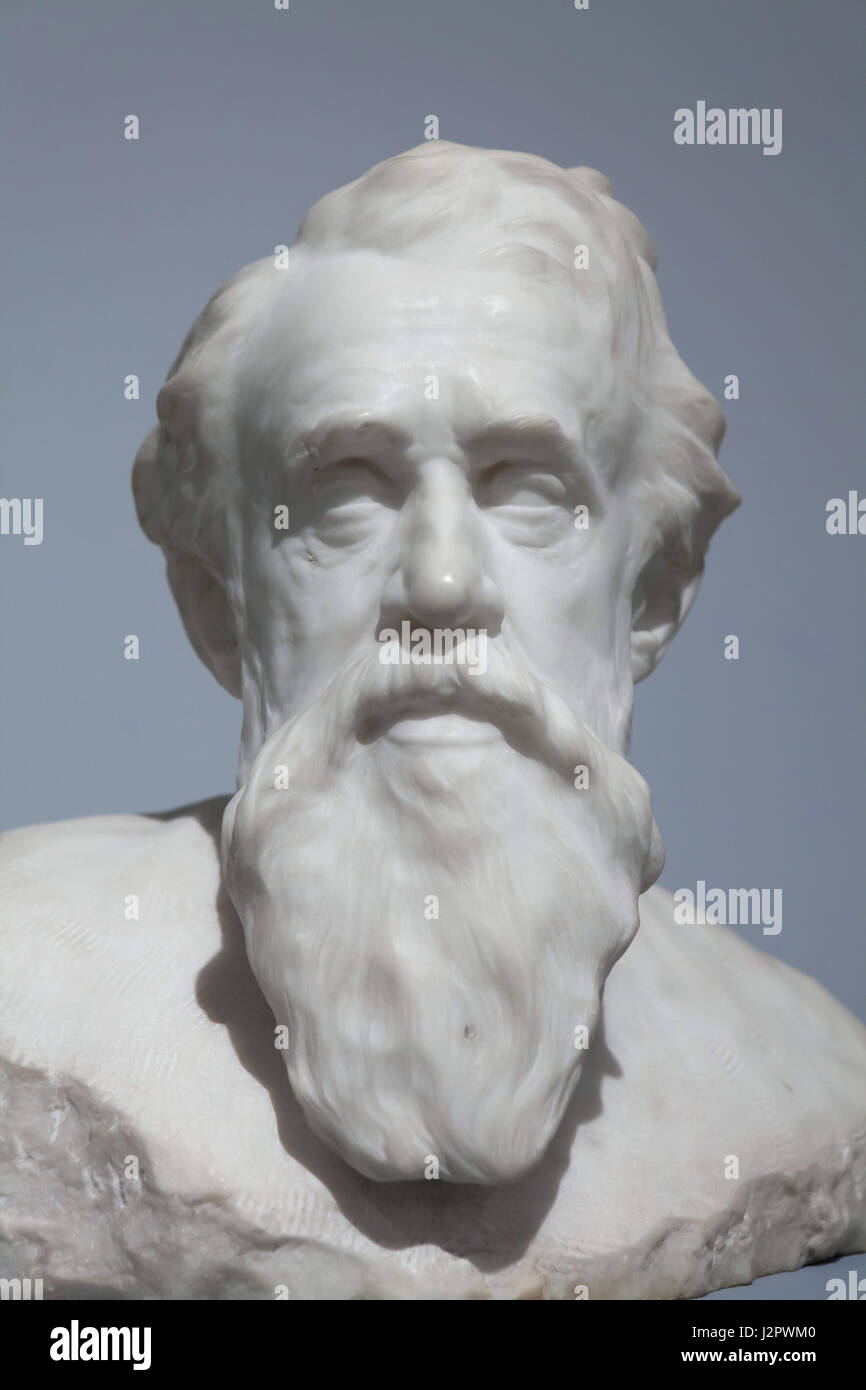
436 864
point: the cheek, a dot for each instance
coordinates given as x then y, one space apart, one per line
304 619
313 586
565 610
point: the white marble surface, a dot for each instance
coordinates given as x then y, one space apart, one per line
151 1039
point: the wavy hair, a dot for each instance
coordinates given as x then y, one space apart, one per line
456 205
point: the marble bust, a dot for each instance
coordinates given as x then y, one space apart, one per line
407 1016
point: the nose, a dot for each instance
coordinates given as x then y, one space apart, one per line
442 577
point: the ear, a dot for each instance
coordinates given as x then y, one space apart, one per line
663 595
207 619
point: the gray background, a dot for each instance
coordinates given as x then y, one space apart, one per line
247 116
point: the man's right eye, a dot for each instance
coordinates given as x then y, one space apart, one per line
348 479
349 501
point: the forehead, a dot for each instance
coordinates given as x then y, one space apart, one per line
367 333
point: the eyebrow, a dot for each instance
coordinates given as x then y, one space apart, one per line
350 427
541 430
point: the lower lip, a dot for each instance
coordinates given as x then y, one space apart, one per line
443 730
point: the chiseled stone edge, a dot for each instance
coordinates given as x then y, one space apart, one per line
70 1218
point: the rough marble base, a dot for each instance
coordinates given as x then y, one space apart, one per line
150 1040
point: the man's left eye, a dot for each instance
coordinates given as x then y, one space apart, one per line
508 484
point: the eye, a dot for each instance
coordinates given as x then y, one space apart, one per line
526 502
349 501
524 485
347 480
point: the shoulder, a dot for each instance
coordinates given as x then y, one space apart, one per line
741 1009
91 868
102 918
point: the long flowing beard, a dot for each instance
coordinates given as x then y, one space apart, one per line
434 926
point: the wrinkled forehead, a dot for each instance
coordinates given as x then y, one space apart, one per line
363 332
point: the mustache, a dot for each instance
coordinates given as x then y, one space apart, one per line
367 697
531 718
